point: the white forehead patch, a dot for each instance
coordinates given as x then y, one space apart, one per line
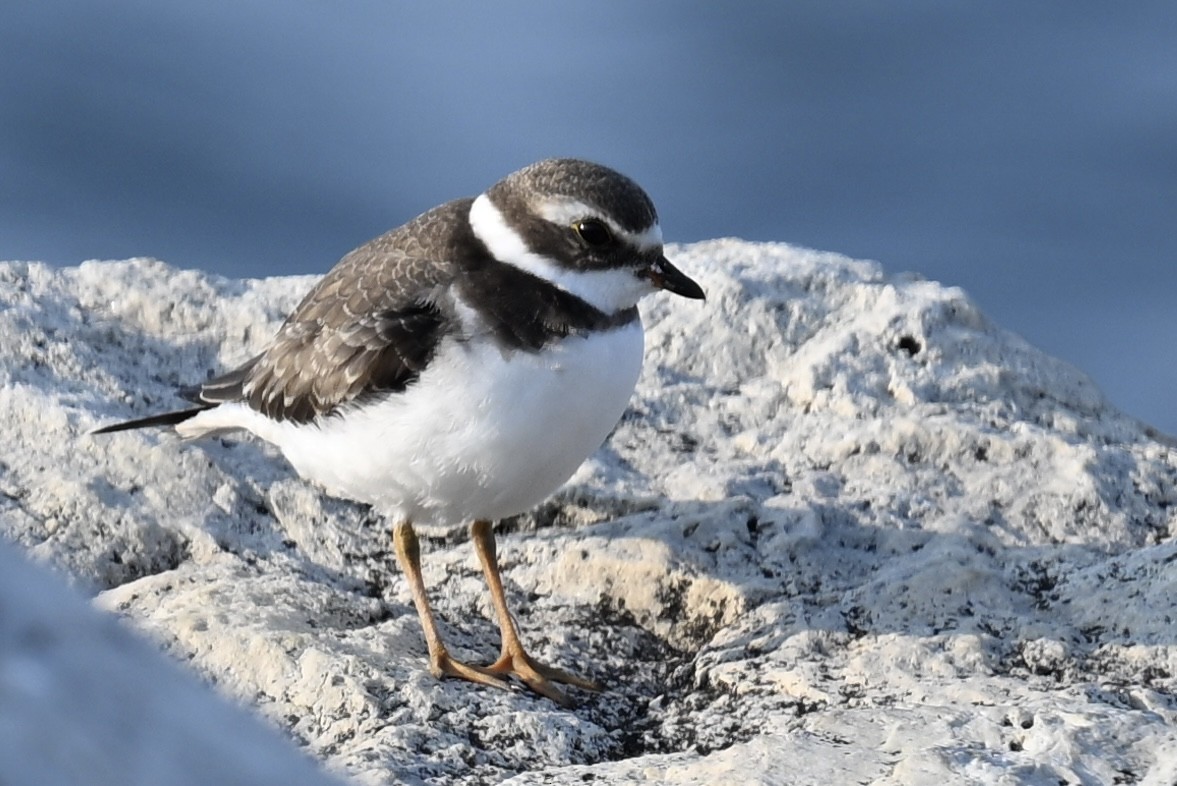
608 290
567 210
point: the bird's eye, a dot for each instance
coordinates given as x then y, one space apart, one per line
593 232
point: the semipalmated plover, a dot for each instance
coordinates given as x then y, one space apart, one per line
460 368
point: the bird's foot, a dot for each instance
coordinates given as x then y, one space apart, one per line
444 665
538 676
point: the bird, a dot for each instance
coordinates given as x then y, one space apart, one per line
458 370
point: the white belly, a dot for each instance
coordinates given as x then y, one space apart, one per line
481 434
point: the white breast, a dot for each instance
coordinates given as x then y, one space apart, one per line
482 434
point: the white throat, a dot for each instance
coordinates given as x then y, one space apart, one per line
610 291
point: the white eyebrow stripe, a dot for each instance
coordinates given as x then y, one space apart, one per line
647 239
566 210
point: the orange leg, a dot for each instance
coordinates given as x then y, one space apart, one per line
408 554
513 658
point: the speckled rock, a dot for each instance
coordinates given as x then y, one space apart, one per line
848 531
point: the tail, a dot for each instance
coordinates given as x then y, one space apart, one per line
166 419
224 389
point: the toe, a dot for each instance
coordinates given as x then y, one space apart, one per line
446 666
540 677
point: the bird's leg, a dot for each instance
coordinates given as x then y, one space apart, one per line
513 659
408 554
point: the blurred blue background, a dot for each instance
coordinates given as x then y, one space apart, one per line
1024 151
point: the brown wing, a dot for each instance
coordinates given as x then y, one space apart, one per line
370 326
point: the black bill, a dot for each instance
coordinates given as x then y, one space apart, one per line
666 276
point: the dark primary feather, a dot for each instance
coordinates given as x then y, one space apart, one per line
166 419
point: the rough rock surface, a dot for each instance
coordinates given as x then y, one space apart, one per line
849 531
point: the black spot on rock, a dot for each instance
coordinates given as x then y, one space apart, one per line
909 344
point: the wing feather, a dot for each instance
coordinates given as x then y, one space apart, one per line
370 326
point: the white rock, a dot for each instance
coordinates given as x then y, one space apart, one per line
850 531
